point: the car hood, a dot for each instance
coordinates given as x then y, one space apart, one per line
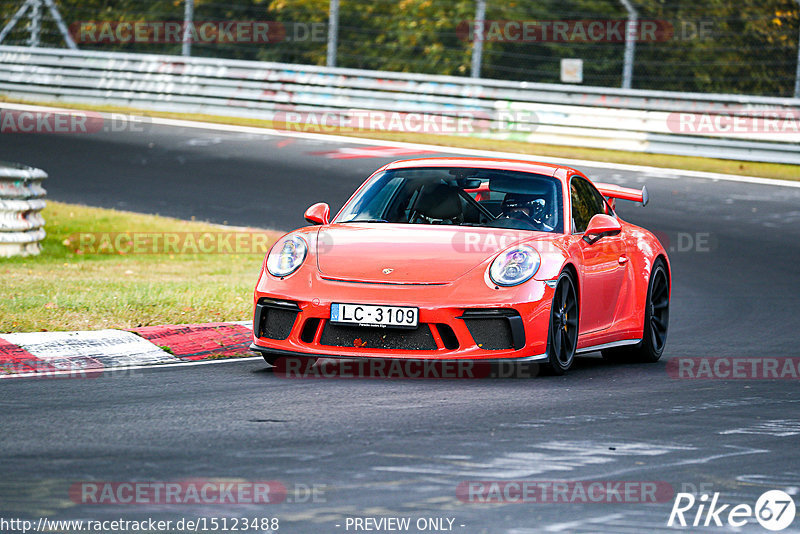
401 253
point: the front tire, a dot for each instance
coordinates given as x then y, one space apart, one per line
562 337
656 322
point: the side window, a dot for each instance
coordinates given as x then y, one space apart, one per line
586 203
605 208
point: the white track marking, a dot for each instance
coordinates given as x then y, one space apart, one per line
135 367
778 428
550 457
570 526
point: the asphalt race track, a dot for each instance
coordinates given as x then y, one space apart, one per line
400 448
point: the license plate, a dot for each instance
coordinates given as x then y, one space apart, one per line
370 315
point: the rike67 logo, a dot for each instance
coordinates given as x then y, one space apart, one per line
774 510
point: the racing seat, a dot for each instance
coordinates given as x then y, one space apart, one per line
439 202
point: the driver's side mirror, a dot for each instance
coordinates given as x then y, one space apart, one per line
601 226
319 213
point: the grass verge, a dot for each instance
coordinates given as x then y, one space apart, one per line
742 168
68 288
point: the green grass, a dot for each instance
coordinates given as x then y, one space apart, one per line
743 168
67 288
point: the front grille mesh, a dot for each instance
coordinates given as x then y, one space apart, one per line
336 335
491 334
276 323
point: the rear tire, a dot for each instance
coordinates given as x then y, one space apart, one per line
562 337
656 322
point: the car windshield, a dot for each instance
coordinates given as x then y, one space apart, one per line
459 196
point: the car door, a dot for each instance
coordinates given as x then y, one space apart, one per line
604 262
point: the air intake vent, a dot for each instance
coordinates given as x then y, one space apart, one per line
378 338
309 330
495 328
274 318
448 336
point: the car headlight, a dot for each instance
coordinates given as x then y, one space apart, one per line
287 255
514 266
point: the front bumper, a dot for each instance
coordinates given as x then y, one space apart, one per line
475 322
265 351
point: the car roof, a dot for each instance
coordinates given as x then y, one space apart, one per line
547 169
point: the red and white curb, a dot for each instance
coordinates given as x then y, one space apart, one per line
84 354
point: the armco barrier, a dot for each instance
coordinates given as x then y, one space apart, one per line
21 203
719 126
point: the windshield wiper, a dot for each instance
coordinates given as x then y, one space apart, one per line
368 221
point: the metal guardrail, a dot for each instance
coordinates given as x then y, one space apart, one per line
634 120
21 203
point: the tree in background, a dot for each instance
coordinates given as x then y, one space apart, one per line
748 47
724 46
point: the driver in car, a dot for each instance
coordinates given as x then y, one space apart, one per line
524 212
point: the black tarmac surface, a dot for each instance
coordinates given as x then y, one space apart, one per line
400 448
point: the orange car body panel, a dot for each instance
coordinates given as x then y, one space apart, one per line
443 271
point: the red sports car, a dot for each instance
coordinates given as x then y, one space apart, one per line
467 258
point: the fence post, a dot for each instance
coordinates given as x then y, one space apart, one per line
477 38
36 23
333 32
188 20
630 44
11 23
60 23
36 15
797 71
